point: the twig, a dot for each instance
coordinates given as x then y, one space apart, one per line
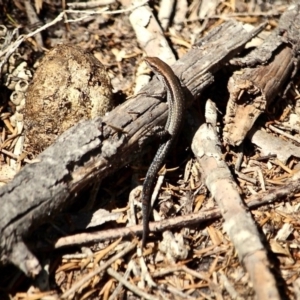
145 275
291 188
10 154
130 286
117 290
233 15
8 51
178 293
33 19
91 4
281 132
113 12
238 223
86 278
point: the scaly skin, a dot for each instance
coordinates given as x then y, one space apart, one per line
175 98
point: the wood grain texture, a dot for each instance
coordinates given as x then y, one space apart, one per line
266 70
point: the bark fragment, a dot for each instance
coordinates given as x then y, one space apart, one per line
267 70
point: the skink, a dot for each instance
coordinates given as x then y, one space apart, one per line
175 98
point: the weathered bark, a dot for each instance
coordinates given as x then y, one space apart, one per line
98 147
267 70
238 221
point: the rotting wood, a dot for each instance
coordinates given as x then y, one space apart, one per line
97 148
266 70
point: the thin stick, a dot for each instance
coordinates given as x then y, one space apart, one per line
130 286
86 278
277 194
